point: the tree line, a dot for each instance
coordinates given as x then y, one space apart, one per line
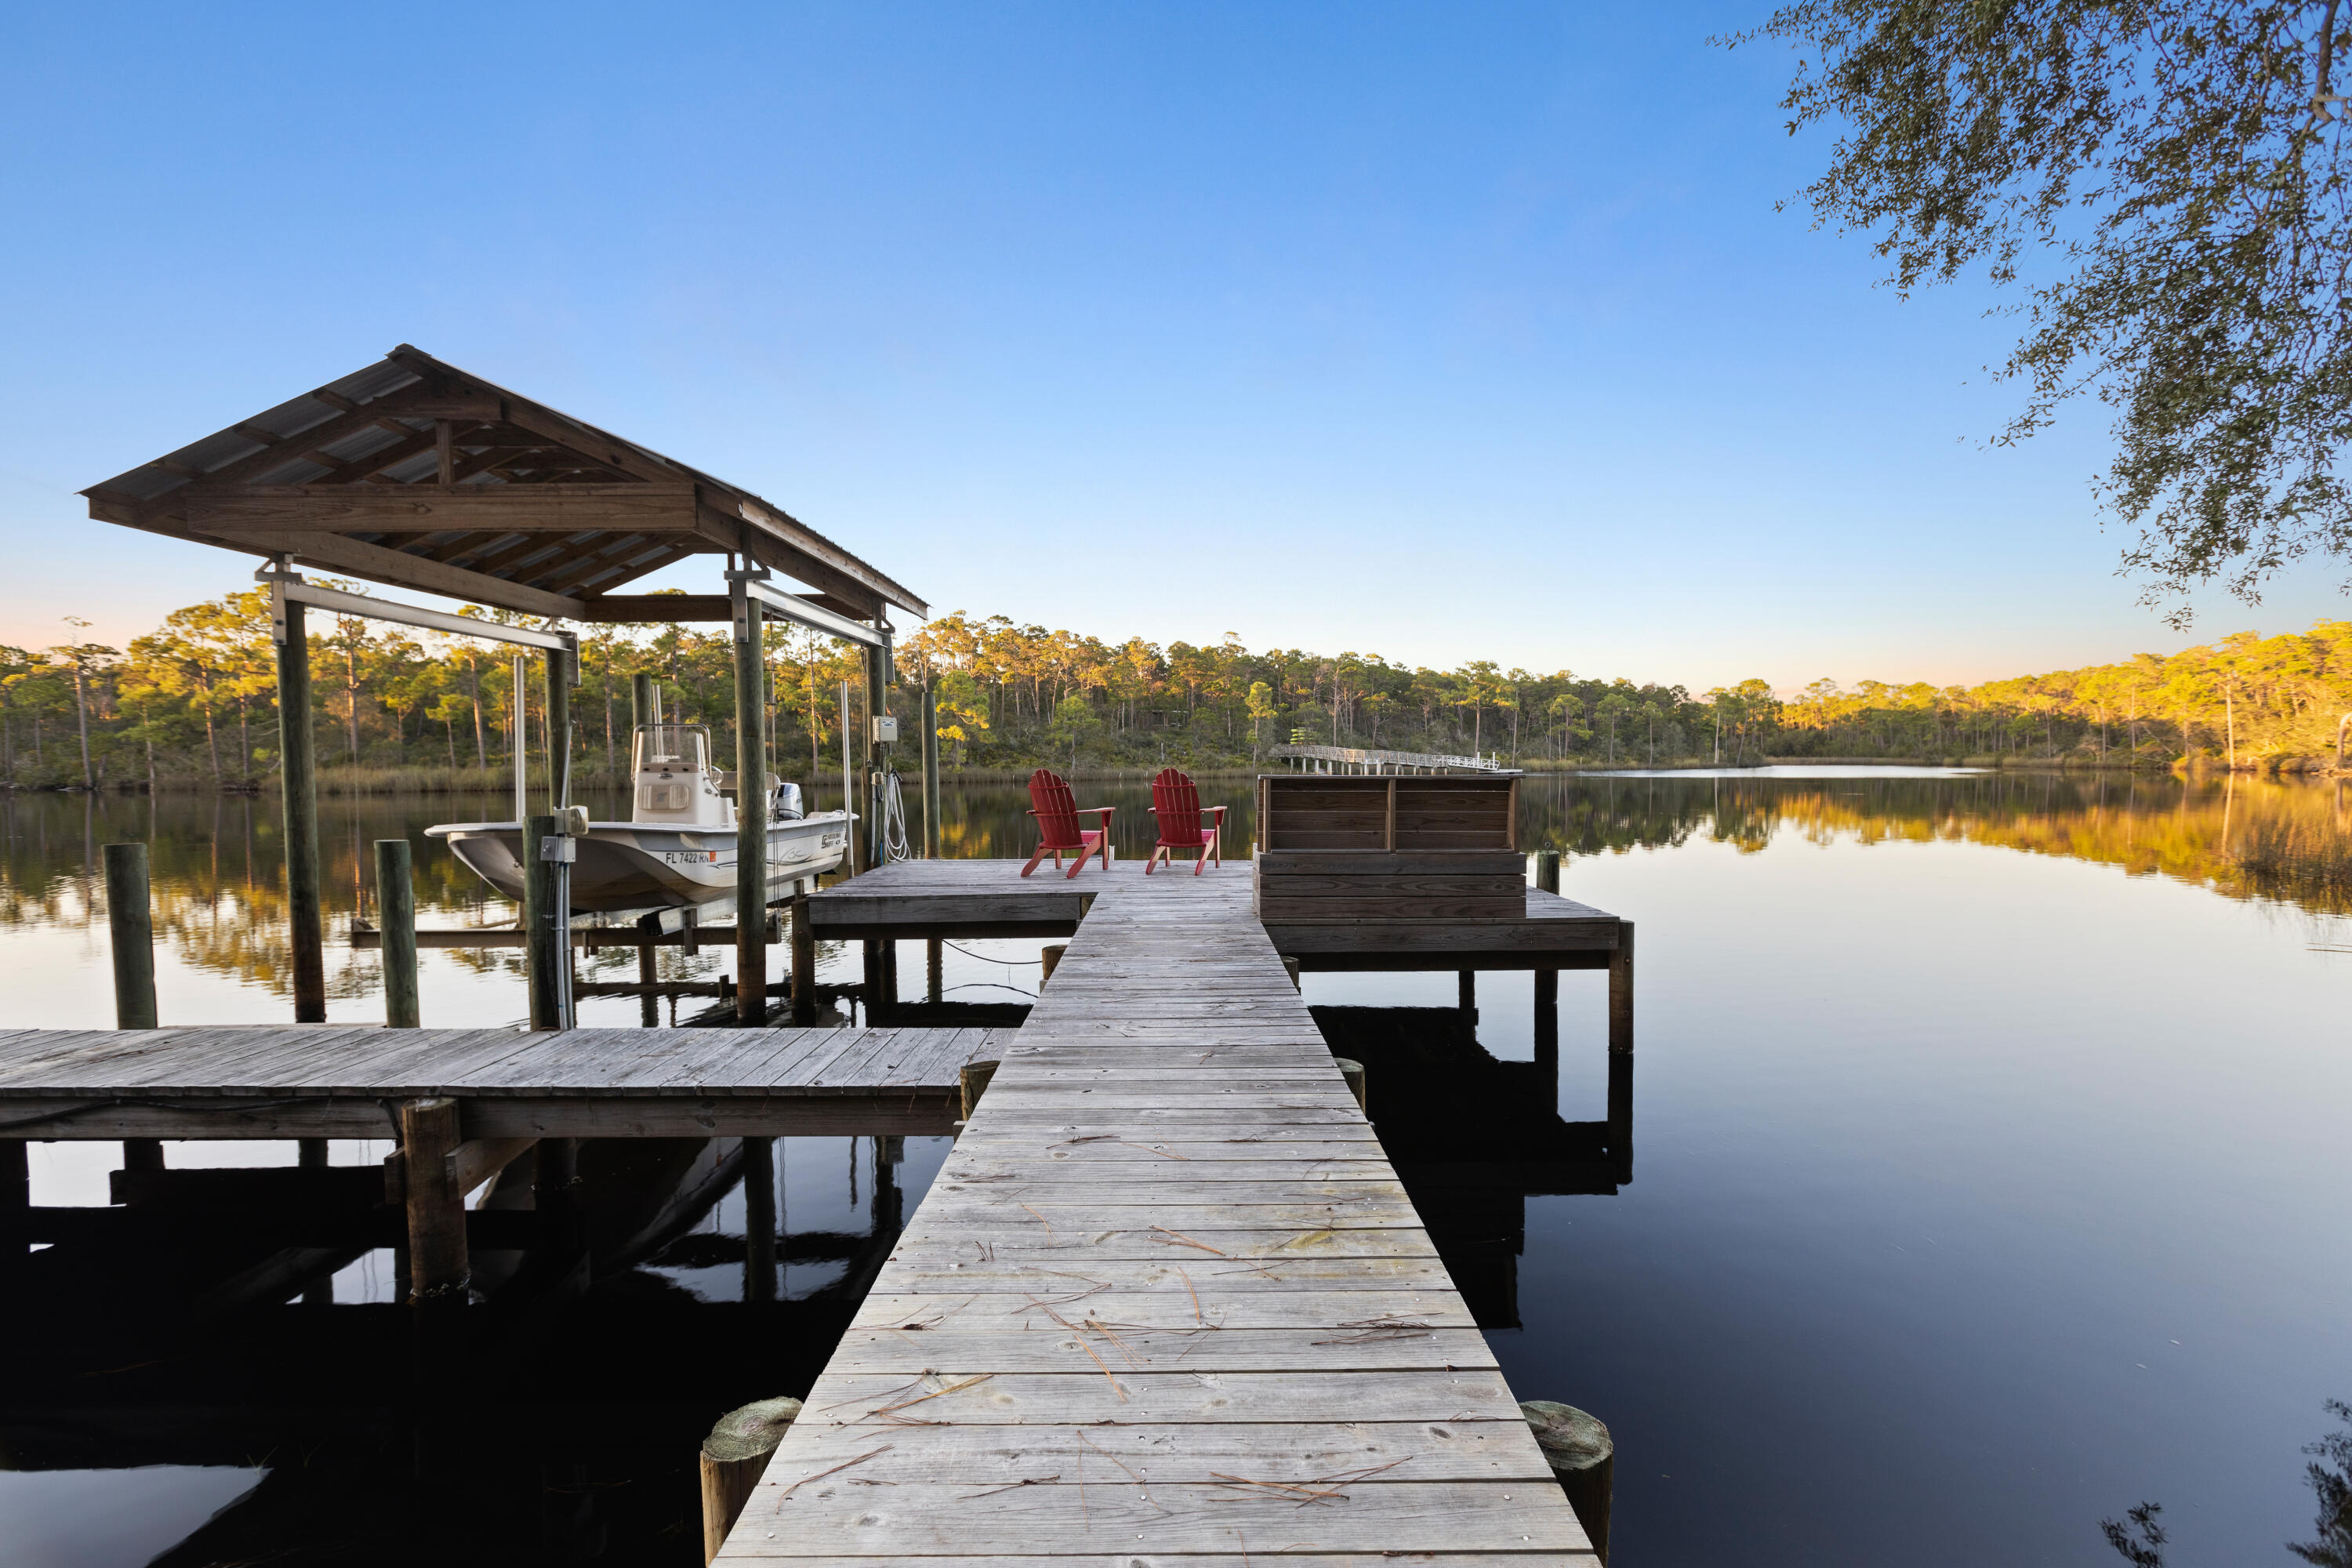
193 702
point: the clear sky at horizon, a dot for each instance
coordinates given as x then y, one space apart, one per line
1438 333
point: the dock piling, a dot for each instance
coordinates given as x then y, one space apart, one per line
930 724
1620 990
396 917
547 954
734 1456
1546 986
132 927
297 773
1583 1460
1048 957
439 1270
759 1219
750 806
803 958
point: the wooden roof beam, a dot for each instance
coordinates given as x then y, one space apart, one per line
332 552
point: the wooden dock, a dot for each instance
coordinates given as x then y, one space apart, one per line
317 1081
1167 1300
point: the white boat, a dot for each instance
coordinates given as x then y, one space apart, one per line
678 849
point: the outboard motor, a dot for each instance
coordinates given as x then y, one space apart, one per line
788 802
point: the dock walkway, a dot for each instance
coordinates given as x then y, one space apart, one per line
1166 1301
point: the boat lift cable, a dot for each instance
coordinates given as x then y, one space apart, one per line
890 818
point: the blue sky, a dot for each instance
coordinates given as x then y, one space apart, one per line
1435 331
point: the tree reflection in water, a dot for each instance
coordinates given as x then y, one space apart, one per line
2142 1543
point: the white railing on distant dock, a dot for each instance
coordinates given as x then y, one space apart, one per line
1353 759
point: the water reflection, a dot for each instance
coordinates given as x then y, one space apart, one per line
556 1421
1473 1137
216 862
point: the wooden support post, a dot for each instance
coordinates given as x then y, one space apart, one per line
1621 1114
803 958
1049 958
750 813
1290 967
1621 989
396 897
1583 1460
877 980
877 755
759 1219
1466 990
1352 1071
555 1196
310 1154
546 942
734 1456
132 927
975 1077
853 850
16 1203
930 722
298 777
642 695
934 967
649 1004
1548 981
557 667
438 1269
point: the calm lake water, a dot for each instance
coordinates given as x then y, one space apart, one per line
1992 1177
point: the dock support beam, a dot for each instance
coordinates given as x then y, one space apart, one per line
759 1219
641 708
750 807
649 1004
734 1456
931 719
879 996
933 966
1466 990
1548 981
297 773
396 897
130 927
558 730
438 1269
803 958
1621 1053
546 951
877 755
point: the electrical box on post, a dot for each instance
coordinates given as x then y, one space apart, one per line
886 730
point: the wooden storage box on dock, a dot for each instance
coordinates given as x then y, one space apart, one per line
1424 847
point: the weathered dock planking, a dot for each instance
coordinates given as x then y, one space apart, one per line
1166 1301
322 1082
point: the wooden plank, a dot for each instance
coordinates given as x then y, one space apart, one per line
1462 1450
1173 1516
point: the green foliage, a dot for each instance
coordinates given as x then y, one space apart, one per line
2166 185
197 697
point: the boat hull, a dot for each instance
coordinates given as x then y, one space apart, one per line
643 866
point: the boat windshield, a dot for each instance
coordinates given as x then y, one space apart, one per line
681 747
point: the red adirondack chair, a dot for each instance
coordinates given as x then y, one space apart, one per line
1176 805
1057 813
